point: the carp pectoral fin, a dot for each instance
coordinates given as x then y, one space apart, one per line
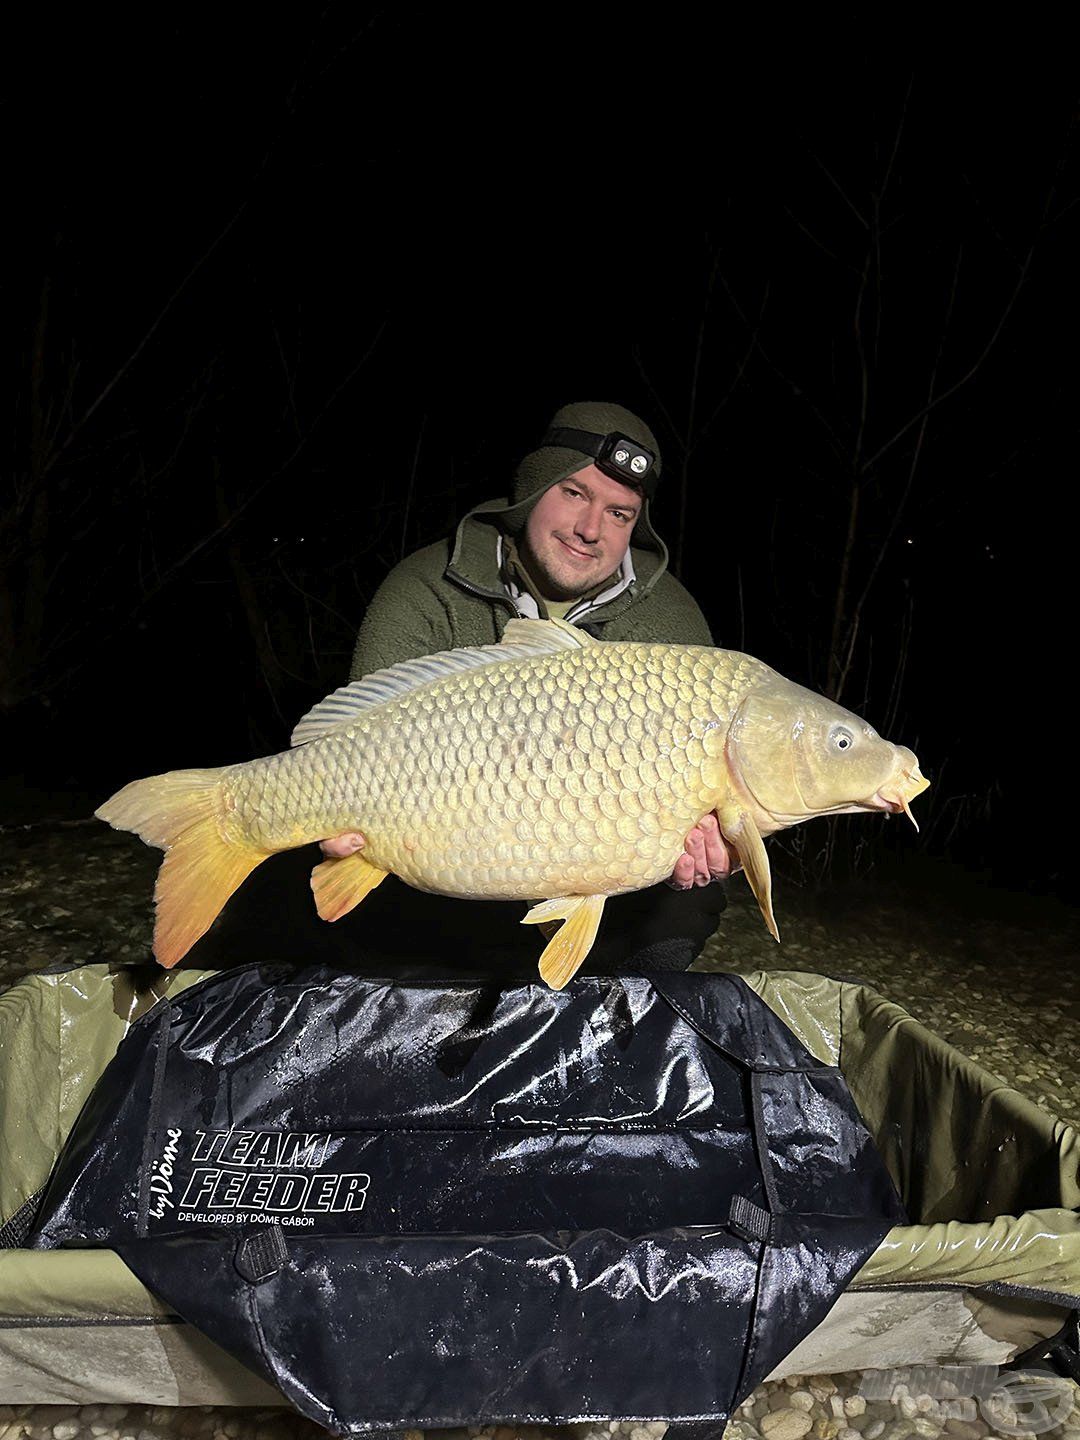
340 885
740 830
567 949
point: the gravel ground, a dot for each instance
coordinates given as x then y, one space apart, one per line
993 973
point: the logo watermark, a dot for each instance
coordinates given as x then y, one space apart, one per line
161 1176
1012 1402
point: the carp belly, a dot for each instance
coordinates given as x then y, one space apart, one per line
464 799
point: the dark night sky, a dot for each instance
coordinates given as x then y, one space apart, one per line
298 295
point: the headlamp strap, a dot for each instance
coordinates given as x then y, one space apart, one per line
615 454
566 438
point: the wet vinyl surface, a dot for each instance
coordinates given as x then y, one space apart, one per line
994 974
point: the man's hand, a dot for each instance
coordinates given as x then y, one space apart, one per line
706 857
342 845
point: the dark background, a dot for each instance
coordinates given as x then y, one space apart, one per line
285 296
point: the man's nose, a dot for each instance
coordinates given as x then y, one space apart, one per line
588 524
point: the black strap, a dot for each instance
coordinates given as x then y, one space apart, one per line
749 1220
1064 1356
697 1429
1060 1351
261 1254
14 1231
586 441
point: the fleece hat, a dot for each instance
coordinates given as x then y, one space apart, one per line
550 463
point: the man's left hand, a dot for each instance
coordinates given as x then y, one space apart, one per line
706 857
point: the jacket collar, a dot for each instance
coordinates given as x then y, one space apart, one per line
474 558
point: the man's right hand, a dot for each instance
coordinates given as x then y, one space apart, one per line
705 858
341 846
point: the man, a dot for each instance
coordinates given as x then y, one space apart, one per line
573 541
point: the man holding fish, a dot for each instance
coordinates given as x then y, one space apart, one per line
573 542
518 753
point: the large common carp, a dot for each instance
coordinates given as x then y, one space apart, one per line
550 767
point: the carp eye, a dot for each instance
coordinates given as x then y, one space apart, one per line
841 738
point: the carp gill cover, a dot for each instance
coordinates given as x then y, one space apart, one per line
551 767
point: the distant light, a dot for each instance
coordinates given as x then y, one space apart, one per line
909 542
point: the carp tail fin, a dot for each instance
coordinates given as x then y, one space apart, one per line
181 814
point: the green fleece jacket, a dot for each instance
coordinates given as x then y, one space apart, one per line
450 594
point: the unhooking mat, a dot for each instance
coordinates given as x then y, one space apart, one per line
421 1204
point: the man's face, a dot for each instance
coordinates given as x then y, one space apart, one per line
578 532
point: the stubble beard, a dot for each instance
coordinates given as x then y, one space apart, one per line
549 583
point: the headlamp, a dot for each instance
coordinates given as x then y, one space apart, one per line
615 454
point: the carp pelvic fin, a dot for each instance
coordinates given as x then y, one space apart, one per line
738 827
567 949
179 812
340 885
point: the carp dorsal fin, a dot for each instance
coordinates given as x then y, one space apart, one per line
550 635
522 639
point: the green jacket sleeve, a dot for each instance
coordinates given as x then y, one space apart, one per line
694 628
406 618
668 613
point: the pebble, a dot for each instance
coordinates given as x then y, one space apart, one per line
898 1430
785 1425
806 1407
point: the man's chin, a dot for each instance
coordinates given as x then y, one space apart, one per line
562 590
558 578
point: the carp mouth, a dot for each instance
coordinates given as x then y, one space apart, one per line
896 795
